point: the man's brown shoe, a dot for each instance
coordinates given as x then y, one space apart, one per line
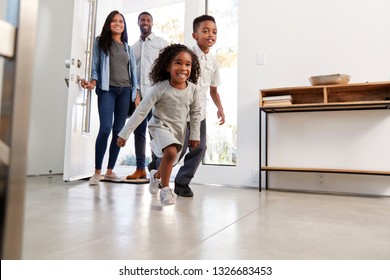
138 174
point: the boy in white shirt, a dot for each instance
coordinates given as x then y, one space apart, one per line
205 35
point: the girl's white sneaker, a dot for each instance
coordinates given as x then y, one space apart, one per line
154 183
167 196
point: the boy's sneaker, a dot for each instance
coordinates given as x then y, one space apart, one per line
167 196
95 179
154 183
183 190
113 178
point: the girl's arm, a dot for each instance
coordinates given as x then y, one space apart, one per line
120 142
138 115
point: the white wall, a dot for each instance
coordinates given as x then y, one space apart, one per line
49 94
301 39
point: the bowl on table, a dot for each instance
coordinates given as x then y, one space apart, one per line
333 79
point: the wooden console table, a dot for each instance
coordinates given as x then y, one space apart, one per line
362 96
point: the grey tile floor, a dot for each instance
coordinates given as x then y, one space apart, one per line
116 221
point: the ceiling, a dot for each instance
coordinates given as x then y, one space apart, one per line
141 5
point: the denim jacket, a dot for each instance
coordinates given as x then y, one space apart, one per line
101 68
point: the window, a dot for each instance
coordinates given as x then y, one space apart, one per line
168 23
222 140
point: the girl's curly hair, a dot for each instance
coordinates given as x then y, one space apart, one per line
159 71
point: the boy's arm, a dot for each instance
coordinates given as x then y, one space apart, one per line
217 101
195 117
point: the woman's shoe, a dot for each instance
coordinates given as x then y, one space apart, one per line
95 179
112 177
138 174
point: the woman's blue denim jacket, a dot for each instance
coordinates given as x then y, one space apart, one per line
101 68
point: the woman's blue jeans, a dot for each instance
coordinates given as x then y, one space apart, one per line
113 106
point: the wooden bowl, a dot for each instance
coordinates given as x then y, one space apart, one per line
334 79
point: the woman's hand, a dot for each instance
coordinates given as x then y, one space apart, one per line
88 85
137 100
120 142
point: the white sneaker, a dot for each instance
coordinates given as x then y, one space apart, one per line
167 196
95 179
113 178
154 183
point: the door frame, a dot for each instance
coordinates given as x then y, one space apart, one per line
19 69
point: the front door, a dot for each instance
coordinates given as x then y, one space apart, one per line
82 109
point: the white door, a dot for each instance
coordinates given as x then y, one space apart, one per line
82 108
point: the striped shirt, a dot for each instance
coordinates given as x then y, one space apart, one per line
146 53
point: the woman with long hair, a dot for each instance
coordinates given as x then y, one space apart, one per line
114 76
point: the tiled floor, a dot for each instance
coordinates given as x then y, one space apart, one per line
73 221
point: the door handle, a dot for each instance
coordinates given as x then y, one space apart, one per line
73 61
88 62
67 63
76 62
75 78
